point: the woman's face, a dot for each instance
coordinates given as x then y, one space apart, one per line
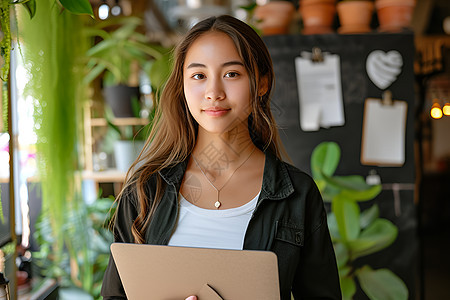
216 84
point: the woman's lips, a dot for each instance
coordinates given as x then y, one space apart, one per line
216 111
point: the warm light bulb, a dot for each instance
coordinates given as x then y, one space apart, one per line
436 112
446 109
446 25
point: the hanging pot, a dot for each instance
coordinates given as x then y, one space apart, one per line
355 16
317 16
275 16
394 15
119 98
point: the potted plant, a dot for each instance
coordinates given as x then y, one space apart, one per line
274 17
317 15
394 15
355 233
355 16
89 240
119 57
128 142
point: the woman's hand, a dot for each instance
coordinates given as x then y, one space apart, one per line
191 298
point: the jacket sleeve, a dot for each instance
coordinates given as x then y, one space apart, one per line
126 213
317 275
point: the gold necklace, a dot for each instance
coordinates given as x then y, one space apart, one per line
217 204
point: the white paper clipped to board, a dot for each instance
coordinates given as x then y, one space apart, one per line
384 128
320 92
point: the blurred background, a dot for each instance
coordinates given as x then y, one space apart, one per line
79 94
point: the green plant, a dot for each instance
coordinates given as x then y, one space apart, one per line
78 7
251 19
74 6
52 44
121 46
355 233
88 256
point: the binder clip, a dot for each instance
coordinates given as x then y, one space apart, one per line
316 55
387 98
373 178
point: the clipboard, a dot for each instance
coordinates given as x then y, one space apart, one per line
174 273
384 130
319 90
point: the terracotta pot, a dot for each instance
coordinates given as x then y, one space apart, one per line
317 15
394 15
355 16
275 17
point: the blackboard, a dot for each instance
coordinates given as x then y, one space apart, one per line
401 257
356 87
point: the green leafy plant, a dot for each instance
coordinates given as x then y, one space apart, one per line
79 7
250 19
122 54
121 45
58 95
355 233
90 238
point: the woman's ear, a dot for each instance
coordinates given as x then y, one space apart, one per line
263 85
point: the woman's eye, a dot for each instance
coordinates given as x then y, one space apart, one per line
198 76
232 74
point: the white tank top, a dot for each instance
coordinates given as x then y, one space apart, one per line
210 228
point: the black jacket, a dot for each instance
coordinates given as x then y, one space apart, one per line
289 220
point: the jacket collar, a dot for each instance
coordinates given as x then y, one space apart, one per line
276 183
174 175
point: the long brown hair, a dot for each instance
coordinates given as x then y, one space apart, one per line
173 134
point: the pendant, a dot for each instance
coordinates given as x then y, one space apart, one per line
217 204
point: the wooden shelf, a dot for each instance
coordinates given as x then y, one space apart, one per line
117 178
110 175
119 121
89 142
105 176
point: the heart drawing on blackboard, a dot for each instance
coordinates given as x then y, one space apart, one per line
383 68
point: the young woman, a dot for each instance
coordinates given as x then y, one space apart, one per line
212 175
